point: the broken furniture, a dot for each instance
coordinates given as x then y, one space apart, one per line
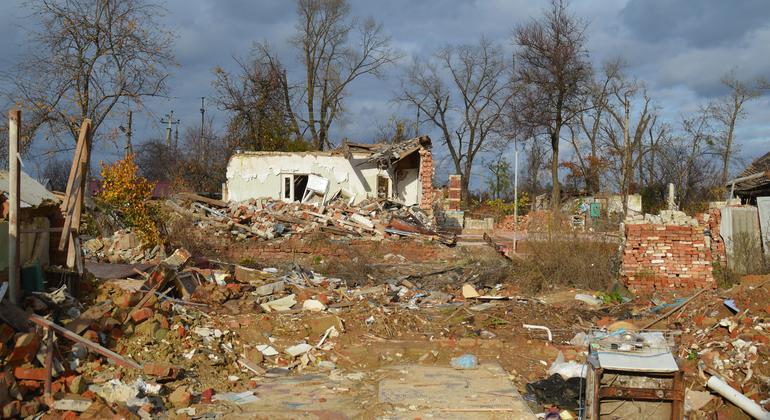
633 375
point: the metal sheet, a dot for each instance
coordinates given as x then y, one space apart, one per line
638 362
33 193
654 357
763 206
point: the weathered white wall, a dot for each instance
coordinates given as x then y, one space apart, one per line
251 175
408 186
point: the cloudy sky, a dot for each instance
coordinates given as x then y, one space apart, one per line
680 48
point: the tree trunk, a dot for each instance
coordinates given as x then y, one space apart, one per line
728 149
464 183
555 191
626 157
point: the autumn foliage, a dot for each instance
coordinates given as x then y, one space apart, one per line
127 193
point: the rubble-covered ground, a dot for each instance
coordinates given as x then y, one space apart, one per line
323 336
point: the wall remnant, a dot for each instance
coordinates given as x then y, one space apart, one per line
454 192
426 180
669 251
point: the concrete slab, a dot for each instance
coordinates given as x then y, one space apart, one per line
302 397
441 392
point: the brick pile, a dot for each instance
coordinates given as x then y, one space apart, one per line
675 254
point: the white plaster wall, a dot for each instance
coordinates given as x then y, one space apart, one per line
259 175
408 188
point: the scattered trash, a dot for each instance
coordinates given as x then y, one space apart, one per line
569 369
558 391
245 397
466 361
730 303
589 299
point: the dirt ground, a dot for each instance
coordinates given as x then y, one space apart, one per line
384 342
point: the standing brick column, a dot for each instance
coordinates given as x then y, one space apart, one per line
426 180
455 192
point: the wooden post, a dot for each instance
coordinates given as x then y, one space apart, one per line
14 177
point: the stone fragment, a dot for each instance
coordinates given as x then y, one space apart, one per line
180 398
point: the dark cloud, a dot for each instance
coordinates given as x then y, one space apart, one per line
679 48
699 23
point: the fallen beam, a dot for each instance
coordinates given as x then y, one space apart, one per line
120 360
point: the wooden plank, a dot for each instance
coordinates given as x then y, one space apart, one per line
165 275
73 251
14 316
94 313
68 212
76 179
120 360
641 394
76 161
202 199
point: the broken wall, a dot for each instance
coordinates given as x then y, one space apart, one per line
251 175
670 251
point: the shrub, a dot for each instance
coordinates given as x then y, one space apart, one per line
127 194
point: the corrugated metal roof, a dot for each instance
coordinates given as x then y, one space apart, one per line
33 193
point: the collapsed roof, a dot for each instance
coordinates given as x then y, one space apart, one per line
754 180
385 153
33 193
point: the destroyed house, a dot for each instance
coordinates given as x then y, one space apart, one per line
400 171
753 182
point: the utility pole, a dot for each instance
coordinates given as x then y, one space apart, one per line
170 121
176 136
203 112
129 148
515 191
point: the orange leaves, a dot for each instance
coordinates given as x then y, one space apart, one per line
127 192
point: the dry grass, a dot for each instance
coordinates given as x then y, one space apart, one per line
567 261
747 257
355 268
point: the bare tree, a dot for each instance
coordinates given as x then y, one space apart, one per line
89 57
395 130
332 61
258 99
56 173
536 162
586 135
553 69
727 111
469 109
624 137
500 179
684 159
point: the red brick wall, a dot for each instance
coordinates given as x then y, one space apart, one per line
716 244
454 192
426 180
664 257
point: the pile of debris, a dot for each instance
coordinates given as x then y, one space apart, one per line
137 348
267 219
156 341
666 217
123 247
